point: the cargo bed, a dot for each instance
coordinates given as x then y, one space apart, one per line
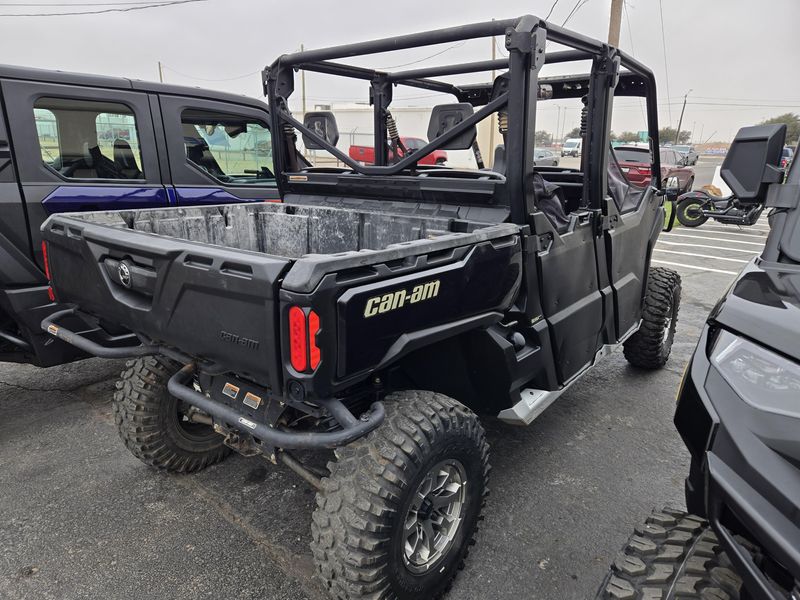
207 281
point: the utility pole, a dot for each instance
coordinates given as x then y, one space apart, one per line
680 120
303 84
160 72
615 23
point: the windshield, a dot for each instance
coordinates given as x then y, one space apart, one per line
570 143
633 155
682 149
787 153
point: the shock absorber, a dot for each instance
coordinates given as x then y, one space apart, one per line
502 123
394 136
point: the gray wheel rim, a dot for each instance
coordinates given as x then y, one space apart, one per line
435 515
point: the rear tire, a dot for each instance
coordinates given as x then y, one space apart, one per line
387 495
650 346
688 213
674 555
151 424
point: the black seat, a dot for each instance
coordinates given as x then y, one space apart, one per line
125 160
199 153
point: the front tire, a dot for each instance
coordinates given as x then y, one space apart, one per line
398 512
689 214
650 346
152 423
674 555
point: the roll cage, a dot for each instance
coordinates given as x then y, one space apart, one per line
525 39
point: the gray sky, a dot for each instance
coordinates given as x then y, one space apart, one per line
734 54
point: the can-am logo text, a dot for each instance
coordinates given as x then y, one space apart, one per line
394 300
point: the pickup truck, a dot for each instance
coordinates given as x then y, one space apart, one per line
366 154
380 307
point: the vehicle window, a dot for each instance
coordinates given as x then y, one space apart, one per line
414 143
632 155
88 139
230 148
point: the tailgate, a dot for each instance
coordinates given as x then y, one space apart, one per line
208 301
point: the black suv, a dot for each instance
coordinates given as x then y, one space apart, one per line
739 415
73 142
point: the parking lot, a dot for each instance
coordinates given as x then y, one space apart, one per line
81 518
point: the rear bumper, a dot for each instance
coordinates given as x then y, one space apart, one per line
253 426
739 482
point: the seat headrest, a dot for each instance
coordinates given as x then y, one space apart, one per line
445 117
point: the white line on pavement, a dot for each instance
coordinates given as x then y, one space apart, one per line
719 231
713 239
674 264
750 252
736 260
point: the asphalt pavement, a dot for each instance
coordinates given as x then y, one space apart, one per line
81 518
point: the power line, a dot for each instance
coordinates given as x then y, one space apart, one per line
664 46
414 62
103 11
633 51
578 5
71 4
552 8
210 79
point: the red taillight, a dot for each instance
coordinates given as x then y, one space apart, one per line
314 351
50 293
297 338
304 354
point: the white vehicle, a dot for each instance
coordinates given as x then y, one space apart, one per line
572 147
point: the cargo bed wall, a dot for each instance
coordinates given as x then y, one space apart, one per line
278 229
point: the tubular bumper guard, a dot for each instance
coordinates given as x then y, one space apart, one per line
180 386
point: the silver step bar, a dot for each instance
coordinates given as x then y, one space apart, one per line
533 402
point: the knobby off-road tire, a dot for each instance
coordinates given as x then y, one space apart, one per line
650 346
673 556
373 498
151 424
686 213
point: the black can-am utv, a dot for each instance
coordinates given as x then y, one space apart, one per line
739 415
379 308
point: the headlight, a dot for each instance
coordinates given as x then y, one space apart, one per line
763 379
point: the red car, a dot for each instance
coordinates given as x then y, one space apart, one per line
366 154
635 163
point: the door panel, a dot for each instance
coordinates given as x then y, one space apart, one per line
84 149
628 247
227 155
571 299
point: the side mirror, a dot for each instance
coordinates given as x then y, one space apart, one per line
322 123
753 161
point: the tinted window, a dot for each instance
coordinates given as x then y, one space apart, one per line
233 149
632 155
86 139
668 157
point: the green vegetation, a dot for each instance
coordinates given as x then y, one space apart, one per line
792 121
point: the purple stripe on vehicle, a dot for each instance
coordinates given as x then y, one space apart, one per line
77 198
201 195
